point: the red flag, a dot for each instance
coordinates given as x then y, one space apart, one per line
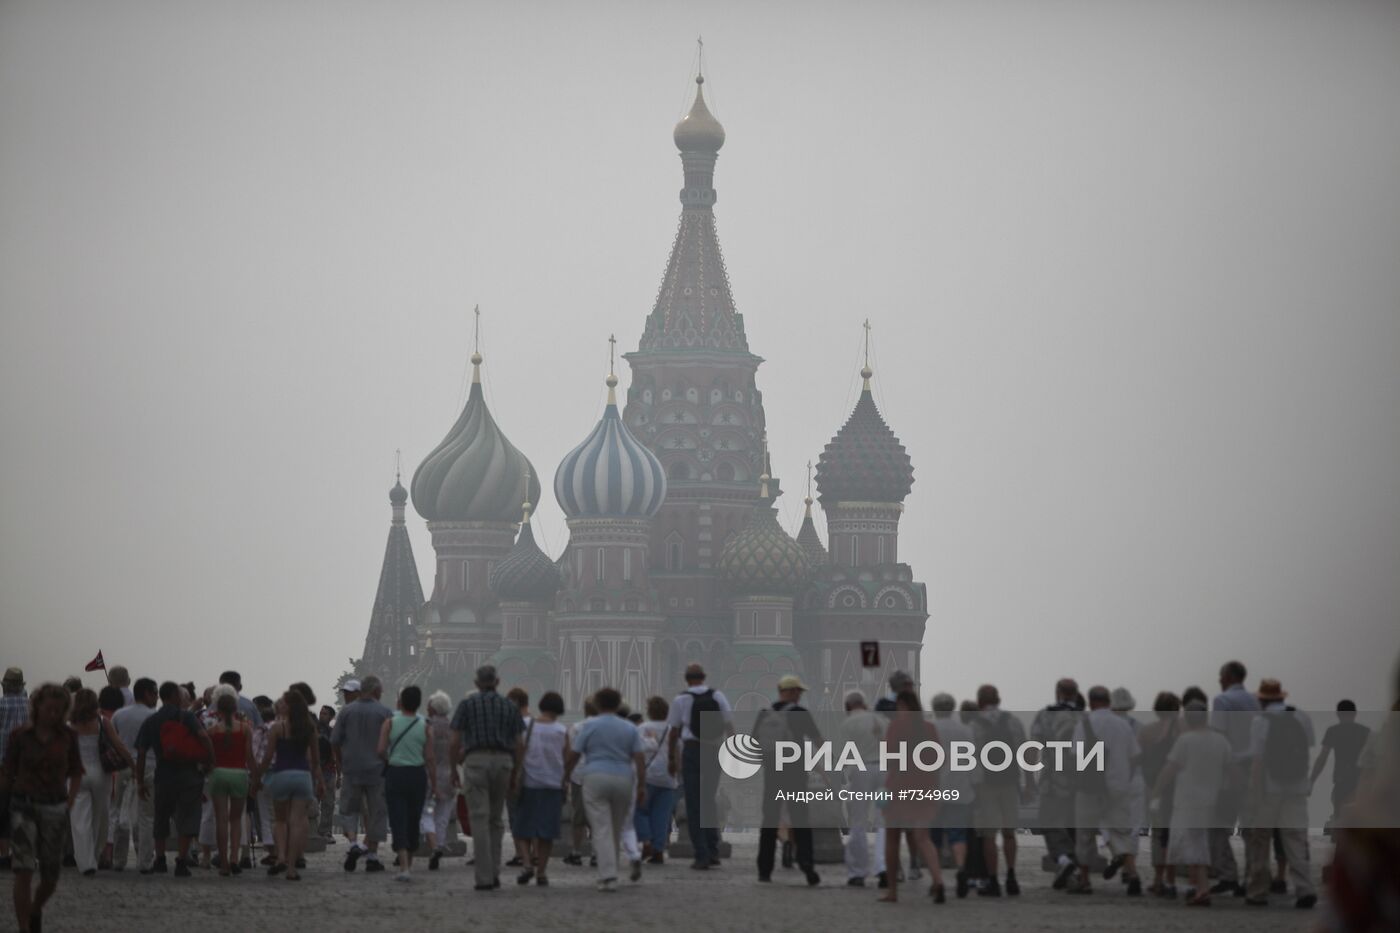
96 664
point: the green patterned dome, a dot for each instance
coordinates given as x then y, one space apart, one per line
762 558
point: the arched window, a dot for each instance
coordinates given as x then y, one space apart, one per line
674 553
725 472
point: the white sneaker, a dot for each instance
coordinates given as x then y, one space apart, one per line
403 876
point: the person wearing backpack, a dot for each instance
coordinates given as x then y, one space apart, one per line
1280 743
693 740
174 736
786 721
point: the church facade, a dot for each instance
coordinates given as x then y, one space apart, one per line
675 552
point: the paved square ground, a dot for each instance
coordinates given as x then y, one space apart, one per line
670 897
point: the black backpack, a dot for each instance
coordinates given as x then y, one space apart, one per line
1285 748
705 703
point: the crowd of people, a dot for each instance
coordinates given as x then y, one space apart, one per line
225 780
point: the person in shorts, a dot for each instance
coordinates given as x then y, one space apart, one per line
179 785
41 776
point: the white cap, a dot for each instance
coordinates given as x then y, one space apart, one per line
350 686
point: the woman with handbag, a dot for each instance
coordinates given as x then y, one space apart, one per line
410 773
89 816
539 787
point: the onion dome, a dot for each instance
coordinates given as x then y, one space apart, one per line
611 474
475 474
398 495
864 462
698 130
762 558
526 573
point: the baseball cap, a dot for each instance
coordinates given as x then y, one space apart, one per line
351 686
791 682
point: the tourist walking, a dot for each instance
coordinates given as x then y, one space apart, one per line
1055 723
1157 739
1343 742
90 808
41 776
652 820
615 766
410 774
486 730
913 808
955 812
538 788
356 739
325 817
862 730
1103 798
699 784
521 698
997 810
232 737
1280 747
1193 776
437 811
134 813
181 747
786 720
14 712
292 771
1231 713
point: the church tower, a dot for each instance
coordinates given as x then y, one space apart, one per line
862 592
526 583
470 489
391 647
694 403
607 616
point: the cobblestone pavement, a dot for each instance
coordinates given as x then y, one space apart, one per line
670 897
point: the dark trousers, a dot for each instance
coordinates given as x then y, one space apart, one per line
799 824
405 789
1056 817
701 787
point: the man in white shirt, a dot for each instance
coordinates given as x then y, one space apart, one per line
1231 714
1107 806
700 784
135 814
863 729
1280 745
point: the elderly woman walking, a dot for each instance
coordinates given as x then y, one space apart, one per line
614 750
438 808
1195 773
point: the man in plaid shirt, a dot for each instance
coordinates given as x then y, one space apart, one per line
14 712
486 729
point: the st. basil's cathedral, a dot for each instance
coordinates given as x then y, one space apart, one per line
675 552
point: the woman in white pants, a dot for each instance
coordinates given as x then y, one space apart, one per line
88 817
614 779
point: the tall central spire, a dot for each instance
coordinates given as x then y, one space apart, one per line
694 308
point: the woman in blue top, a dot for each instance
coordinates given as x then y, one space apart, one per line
613 777
405 744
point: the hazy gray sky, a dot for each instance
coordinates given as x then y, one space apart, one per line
1132 270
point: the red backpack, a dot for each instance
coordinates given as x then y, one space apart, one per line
179 745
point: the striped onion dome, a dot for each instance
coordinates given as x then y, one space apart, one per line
763 558
526 573
611 474
475 474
